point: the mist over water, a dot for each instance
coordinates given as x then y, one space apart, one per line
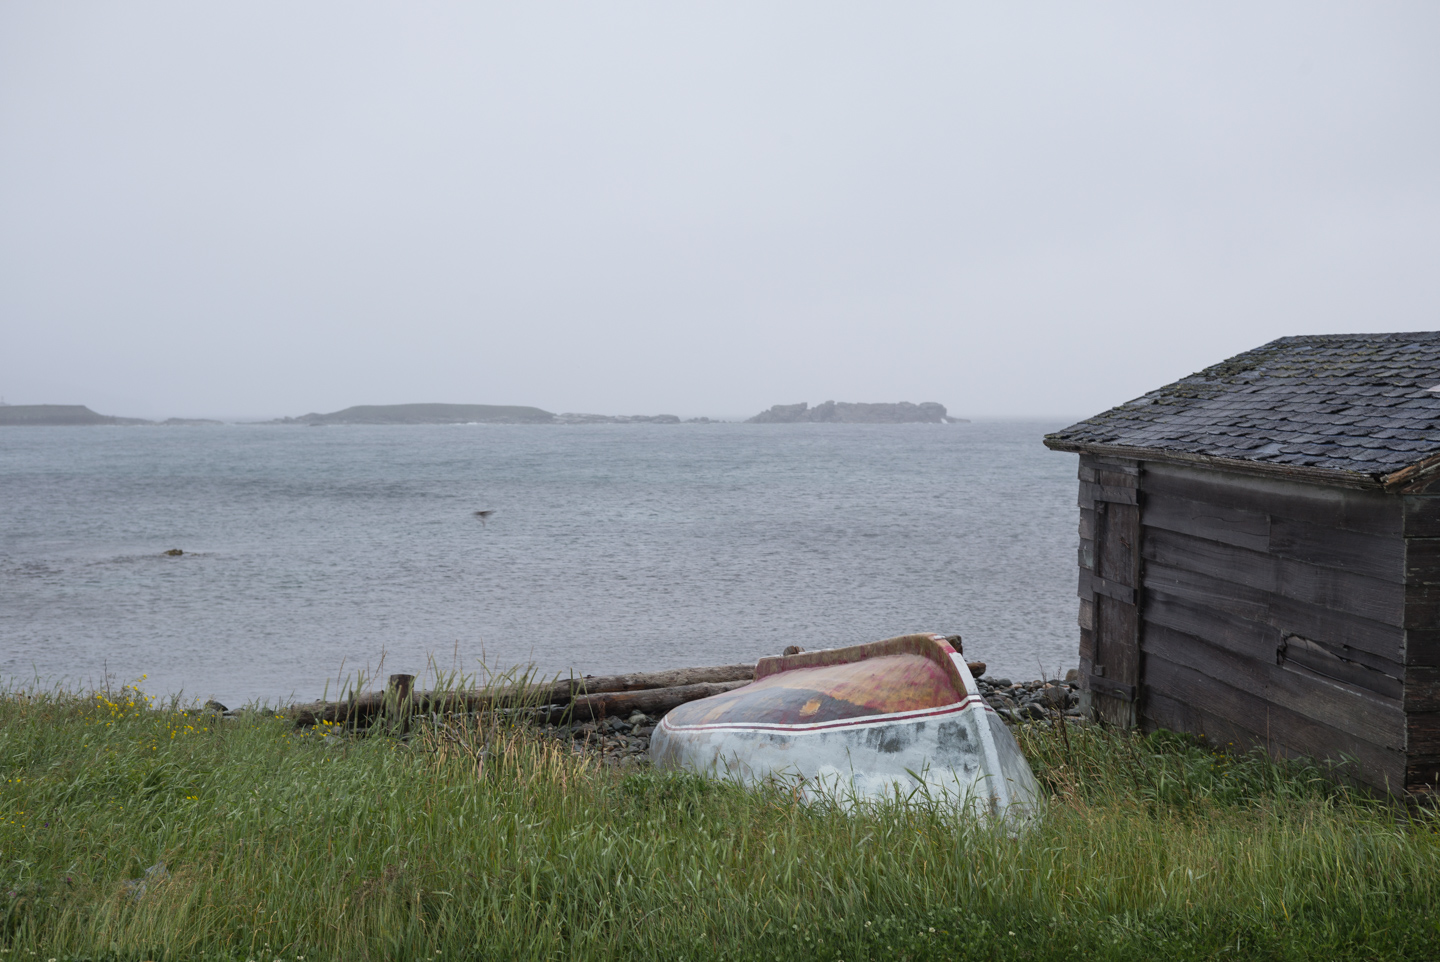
614 548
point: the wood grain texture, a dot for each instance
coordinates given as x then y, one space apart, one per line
1117 619
1381 557
1422 561
1371 512
1117 541
367 706
1422 607
1093 586
1423 735
1367 717
1241 600
1242 636
1122 465
1305 657
1422 647
1090 493
1111 689
1422 516
1110 476
1373 643
1228 525
1422 689
1264 641
654 702
1422 774
1326 587
1116 640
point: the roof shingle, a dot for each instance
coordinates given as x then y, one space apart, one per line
1358 404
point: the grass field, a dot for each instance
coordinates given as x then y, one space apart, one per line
317 845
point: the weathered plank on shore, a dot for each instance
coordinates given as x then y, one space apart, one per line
650 701
364 707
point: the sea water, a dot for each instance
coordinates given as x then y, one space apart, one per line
311 554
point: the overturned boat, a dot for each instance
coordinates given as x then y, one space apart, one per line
898 717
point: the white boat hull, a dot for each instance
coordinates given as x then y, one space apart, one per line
958 753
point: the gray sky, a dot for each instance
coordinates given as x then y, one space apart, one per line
1013 209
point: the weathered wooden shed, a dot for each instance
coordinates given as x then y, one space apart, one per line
1260 554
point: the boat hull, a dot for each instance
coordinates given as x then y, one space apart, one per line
900 719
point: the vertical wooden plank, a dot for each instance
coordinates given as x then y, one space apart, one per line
1116 549
1422 643
1113 678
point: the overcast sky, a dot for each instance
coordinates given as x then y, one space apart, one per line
254 209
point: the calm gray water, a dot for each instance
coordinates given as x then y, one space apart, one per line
313 552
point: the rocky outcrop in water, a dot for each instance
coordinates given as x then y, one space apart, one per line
616 419
57 415
427 414
469 414
846 412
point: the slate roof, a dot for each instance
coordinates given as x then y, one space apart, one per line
1360 404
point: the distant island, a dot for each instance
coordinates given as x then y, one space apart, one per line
471 414
427 414
845 412
831 412
75 415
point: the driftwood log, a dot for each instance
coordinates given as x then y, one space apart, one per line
360 709
654 693
651 701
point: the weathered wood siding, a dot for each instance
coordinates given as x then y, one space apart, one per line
1274 613
1421 695
1110 587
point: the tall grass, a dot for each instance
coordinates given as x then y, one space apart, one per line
487 841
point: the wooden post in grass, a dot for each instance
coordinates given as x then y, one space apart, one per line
398 699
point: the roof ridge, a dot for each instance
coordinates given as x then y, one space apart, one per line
1370 336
